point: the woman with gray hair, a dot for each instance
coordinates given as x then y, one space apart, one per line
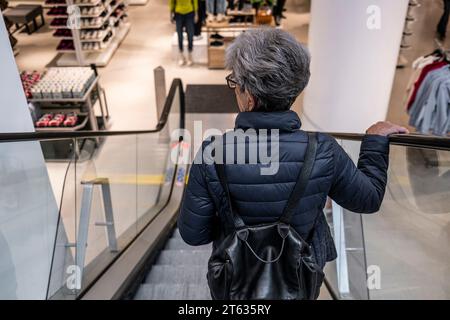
269 70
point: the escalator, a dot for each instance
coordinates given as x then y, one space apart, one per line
178 273
114 236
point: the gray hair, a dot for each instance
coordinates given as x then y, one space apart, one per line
271 65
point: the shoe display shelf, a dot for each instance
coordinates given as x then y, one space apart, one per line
138 2
221 34
94 32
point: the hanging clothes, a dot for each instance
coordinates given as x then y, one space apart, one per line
430 108
426 69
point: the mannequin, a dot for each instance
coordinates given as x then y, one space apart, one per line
184 14
219 13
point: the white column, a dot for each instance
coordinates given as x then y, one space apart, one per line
354 46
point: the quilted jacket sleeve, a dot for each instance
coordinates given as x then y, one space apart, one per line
197 212
361 189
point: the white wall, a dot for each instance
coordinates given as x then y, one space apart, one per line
28 211
352 66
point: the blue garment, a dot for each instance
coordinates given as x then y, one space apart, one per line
262 198
430 110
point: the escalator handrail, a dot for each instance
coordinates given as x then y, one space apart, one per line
408 140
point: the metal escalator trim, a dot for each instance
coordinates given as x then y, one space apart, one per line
330 289
113 283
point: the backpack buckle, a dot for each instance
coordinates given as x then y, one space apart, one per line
283 230
242 234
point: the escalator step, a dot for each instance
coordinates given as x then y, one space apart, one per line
187 257
179 244
176 234
177 274
166 291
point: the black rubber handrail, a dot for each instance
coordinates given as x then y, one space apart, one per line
408 140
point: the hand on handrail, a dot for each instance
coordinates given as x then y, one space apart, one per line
386 128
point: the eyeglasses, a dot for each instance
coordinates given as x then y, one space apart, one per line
230 81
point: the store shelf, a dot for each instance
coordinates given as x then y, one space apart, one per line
99 39
101 49
69 100
251 12
63 37
101 58
63 26
83 118
96 26
137 2
119 16
89 4
104 18
49 5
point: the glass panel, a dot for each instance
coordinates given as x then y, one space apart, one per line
404 245
60 228
63 281
28 219
106 191
347 274
117 186
156 166
408 239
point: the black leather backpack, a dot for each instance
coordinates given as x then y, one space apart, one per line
269 261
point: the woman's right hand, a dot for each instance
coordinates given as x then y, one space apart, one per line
385 128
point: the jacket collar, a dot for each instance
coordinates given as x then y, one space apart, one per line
282 120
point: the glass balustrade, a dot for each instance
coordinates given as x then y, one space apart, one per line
401 251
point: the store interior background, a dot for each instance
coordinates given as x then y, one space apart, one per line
129 82
149 45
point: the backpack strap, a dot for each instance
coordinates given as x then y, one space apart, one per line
232 217
302 180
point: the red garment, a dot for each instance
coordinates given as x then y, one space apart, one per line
423 74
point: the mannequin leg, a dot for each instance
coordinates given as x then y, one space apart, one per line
201 17
179 28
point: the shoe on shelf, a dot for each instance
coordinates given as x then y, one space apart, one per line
220 17
210 18
71 120
181 59
217 36
190 62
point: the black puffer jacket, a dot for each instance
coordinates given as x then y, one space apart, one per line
262 198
